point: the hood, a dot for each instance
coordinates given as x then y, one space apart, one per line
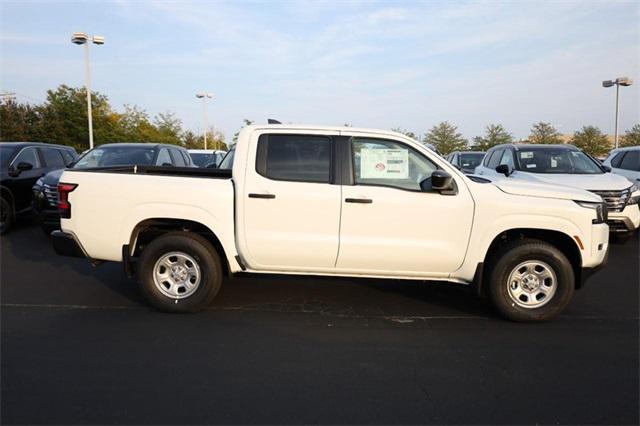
52 178
542 190
599 182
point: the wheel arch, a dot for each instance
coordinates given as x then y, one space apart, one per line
149 229
5 192
560 240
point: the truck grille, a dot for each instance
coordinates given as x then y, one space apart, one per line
51 192
615 200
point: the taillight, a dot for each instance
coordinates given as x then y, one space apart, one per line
64 207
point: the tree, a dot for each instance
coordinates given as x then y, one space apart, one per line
591 140
495 134
20 121
631 137
247 122
445 138
405 132
169 128
544 133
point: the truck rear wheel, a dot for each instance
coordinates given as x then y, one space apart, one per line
530 281
180 272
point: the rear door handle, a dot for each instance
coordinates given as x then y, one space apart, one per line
267 196
358 200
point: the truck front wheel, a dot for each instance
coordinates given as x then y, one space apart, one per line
180 272
530 280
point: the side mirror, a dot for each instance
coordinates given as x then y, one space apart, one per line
505 169
167 164
606 169
442 182
19 168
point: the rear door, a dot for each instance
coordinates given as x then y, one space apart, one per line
291 203
629 166
21 185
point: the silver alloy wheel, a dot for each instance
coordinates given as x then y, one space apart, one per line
177 275
532 284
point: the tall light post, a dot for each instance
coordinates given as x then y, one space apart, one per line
83 38
204 97
620 81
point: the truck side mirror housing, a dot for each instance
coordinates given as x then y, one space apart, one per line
505 169
606 169
440 181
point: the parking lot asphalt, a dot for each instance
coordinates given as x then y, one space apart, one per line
79 346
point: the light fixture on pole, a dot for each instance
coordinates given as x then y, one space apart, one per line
84 38
204 97
620 81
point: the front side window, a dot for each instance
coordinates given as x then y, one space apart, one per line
164 158
556 160
302 158
507 158
27 155
389 163
178 159
495 159
617 159
631 161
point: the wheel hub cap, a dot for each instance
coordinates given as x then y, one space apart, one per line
532 284
177 275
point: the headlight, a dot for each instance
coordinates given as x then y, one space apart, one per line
40 182
635 199
600 208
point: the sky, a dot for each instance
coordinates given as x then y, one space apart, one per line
378 64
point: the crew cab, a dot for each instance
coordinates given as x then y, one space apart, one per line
568 166
336 201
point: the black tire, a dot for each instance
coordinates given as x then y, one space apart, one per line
6 215
513 254
207 260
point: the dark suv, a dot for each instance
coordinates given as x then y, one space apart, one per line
22 164
45 191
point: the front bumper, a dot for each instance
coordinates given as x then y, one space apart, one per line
66 244
594 260
628 220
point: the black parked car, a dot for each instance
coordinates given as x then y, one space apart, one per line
21 164
45 191
466 161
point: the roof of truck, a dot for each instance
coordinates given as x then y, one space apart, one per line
344 129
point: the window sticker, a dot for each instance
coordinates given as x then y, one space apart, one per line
384 163
526 155
530 166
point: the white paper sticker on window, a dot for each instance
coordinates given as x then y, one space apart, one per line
384 163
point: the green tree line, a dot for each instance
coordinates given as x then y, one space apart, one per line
62 119
446 138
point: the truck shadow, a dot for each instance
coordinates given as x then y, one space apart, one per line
27 255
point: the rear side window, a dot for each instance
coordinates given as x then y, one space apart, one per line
163 158
494 161
631 161
68 156
52 157
301 158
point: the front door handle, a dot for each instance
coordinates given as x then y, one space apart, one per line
358 200
267 196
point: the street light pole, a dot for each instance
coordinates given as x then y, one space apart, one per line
620 81
204 97
83 38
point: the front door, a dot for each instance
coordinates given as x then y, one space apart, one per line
390 226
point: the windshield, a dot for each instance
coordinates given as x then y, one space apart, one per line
203 159
556 160
227 161
117 156
6 153
471 160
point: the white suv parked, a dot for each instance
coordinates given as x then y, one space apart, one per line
625 162
567 165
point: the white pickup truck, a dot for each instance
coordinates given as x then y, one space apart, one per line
341 201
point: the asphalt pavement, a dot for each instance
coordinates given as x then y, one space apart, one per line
79 346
